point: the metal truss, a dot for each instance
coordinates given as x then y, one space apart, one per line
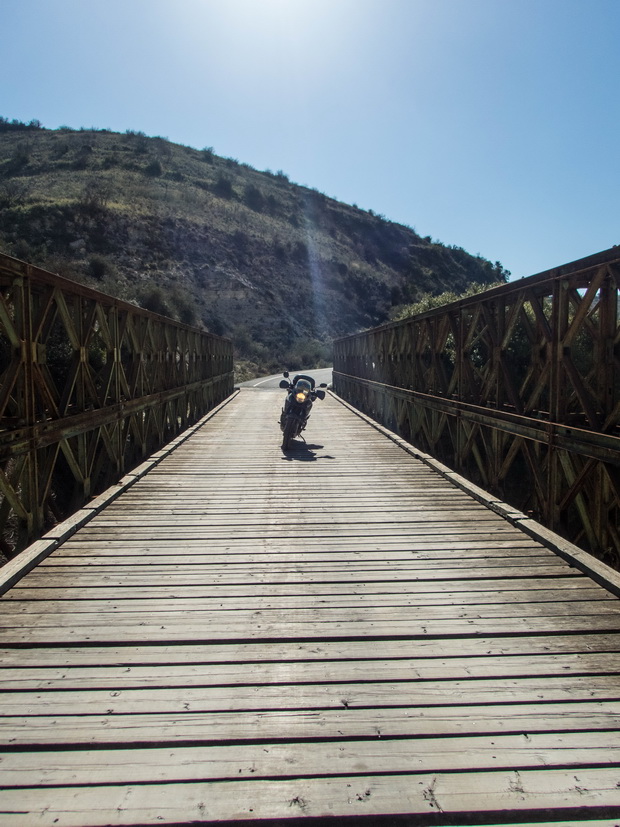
517 388
90 386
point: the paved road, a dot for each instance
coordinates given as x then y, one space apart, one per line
270 382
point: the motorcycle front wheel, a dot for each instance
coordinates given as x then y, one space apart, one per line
289 433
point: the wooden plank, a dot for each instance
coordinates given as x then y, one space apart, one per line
336 528
212 557
357 795
441 591
132 696
241 672
150 577
363 519
426 651
273 601
473 540
277 760
263 629
305 564
302 724
370 614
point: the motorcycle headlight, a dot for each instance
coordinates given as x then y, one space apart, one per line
300 397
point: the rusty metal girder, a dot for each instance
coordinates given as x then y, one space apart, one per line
517 388
90 385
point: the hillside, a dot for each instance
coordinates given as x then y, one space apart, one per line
279 267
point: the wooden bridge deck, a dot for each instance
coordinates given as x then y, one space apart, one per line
336 632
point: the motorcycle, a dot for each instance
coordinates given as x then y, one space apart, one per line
297 406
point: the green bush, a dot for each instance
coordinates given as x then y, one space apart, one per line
429 301
99 267
153 298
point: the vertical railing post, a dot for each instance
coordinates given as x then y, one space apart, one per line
27 407
557 398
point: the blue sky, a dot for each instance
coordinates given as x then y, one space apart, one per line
490 124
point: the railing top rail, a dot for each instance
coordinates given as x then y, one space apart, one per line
14 267
574 268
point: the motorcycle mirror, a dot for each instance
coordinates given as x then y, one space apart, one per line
320 394
284 384
285 374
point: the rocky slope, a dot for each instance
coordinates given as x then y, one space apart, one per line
279 267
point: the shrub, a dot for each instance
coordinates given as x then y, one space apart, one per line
253 198
184 307
153 298
94 197
13 193
428 301
154 169
110 161
99 267
60 150
23 250
83 156
309 353
13 126
21 155
139 140
214 324
223 187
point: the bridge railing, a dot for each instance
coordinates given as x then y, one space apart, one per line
517 388
89 386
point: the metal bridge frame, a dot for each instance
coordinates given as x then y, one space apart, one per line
90 385
517 388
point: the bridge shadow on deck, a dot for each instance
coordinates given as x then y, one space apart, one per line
250 637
